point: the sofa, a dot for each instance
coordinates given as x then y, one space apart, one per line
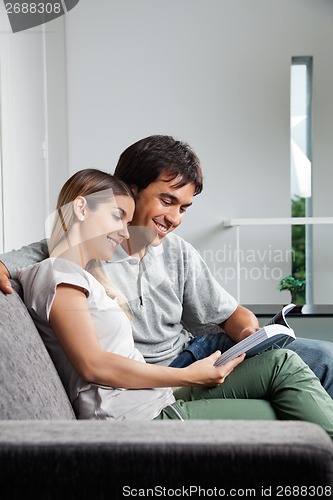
46 453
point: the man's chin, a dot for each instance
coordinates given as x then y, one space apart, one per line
157 241
142 236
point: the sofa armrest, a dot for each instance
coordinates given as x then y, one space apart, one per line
108 459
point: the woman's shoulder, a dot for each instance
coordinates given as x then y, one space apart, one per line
51 266
53 271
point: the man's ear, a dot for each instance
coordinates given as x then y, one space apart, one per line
134 189
79 207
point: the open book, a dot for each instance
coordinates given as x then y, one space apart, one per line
276 334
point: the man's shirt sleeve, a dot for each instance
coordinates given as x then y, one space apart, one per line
27 255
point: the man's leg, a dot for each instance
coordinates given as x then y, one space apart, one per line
202 346
278 376
318 355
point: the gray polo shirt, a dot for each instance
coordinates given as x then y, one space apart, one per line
171 293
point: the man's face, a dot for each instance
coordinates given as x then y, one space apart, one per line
161 207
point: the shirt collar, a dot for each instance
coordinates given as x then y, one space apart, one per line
120 255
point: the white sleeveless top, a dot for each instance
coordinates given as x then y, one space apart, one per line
114 332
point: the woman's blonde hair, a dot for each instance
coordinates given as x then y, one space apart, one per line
98 187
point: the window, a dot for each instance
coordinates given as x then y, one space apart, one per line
301 169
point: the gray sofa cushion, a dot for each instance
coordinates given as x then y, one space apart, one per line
100 460
30 387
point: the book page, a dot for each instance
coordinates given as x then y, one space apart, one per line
275 334
280 317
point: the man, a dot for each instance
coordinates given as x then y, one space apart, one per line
170 290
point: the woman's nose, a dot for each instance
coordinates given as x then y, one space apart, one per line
123 232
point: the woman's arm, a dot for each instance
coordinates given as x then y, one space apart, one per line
72 323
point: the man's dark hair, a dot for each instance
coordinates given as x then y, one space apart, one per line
144 161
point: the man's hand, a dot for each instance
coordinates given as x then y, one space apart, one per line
5 284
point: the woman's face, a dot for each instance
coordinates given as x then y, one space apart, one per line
105 227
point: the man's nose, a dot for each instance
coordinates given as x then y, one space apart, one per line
174 216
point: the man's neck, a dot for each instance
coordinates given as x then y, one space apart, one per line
135 251
140 239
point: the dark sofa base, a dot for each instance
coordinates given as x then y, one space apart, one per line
46 454
95 460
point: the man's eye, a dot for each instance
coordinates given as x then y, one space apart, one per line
165 202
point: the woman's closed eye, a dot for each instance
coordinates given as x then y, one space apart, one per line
117 216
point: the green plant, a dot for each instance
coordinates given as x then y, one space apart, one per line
298 238
294 285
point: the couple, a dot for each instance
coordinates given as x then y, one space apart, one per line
164 175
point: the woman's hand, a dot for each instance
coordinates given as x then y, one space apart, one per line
203 372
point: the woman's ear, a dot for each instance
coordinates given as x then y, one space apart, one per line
79 207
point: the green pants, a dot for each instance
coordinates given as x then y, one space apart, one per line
277 377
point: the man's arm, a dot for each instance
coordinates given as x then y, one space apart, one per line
10 262
240 324
5 284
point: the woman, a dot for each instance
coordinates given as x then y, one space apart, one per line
86 327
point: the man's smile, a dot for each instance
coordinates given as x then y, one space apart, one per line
161 228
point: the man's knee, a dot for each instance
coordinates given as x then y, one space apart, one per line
282 357
314 351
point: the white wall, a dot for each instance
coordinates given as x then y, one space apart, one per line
23 135
323 172
33 127
214 73
56 108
